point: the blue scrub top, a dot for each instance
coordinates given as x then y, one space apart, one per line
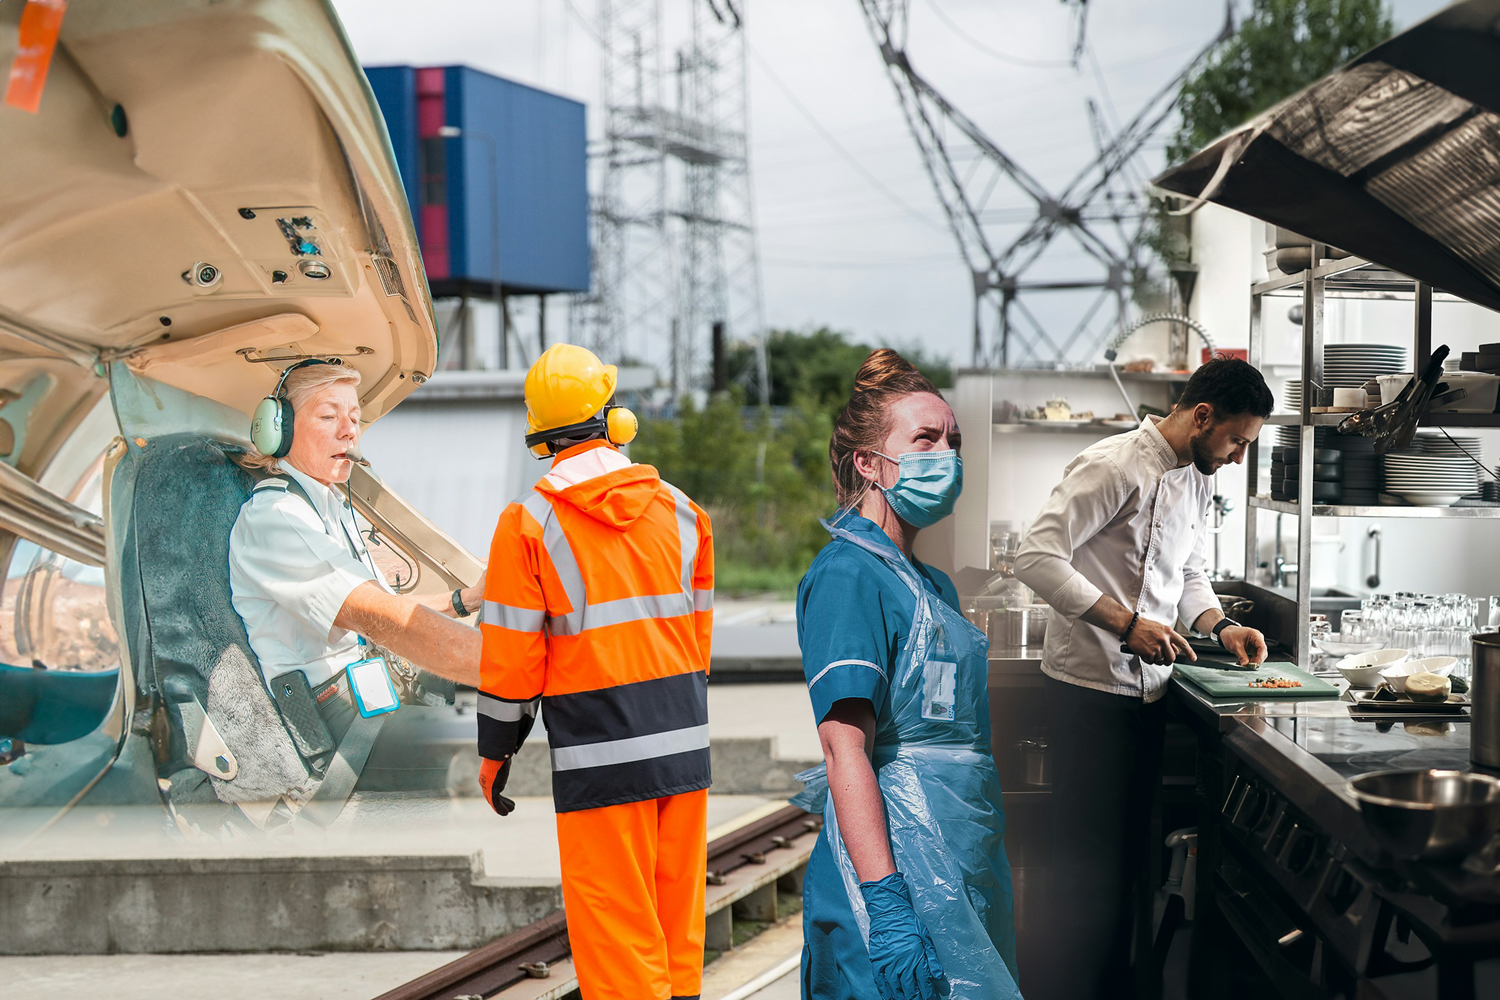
853 617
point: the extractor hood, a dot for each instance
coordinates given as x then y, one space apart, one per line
1395 157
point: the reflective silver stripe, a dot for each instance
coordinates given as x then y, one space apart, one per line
626 609
563 561
506 711
631 749
687 535
703 600
847 663
517 619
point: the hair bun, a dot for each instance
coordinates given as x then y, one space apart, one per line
883 367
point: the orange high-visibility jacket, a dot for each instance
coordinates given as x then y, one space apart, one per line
599 606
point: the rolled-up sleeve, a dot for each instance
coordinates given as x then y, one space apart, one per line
1089 496
281 547
841 626
1198 593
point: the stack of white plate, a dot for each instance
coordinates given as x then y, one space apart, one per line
1452 445
1429 480
1291 396
1350 366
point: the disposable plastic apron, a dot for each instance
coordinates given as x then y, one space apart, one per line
942 794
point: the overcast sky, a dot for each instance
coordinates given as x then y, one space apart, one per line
859 248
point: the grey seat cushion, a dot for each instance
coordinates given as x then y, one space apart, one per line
184 632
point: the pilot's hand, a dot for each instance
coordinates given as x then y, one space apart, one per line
1248 645
492 777
1156 643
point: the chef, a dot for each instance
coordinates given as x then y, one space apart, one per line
1118 553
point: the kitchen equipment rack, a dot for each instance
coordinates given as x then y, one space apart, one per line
1353 278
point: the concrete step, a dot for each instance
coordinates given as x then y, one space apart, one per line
176 905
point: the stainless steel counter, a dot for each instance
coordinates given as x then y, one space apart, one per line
1308 750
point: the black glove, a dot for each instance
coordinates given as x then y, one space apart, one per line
492 777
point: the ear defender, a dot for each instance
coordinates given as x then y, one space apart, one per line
271 427
621 425
272 423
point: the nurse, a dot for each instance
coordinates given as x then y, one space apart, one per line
908 892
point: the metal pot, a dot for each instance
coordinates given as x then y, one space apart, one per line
1025 626
1038 769
1484 693
1429 813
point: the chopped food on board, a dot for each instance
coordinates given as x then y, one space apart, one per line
1275 682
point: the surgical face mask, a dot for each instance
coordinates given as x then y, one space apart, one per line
927 486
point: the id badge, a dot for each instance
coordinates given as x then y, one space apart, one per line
939 686
371 683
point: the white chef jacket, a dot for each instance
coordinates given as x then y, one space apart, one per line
290 570
1128 522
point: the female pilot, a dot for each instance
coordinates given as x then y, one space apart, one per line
908 886
303 580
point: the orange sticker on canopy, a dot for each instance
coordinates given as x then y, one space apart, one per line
41 22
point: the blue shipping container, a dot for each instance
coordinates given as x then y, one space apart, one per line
541 178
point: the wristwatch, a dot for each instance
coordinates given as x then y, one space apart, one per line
458 605
1221 625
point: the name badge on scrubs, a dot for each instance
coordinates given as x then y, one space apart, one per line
939 686
374 694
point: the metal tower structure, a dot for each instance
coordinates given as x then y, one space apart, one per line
1103 209
674 221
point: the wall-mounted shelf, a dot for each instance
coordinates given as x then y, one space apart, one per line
1095 429
1090 373
1340 510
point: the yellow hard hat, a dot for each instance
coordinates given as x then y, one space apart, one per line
569 386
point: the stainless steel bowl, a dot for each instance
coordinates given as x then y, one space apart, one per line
1429 813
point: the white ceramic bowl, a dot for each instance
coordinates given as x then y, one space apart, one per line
1396 676
1380 658
1333 645
1360 677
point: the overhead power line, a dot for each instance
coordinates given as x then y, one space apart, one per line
1004 57
838 147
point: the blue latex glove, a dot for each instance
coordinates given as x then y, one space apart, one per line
905 964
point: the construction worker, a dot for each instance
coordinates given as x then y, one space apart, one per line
598 610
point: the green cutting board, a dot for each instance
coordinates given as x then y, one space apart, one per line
1217 683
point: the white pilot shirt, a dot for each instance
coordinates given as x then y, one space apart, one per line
290 571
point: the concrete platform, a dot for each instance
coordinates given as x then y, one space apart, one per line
397 871
295 976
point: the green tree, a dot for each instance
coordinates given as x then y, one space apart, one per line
820 365
1280 48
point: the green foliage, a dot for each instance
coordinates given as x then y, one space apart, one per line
763 475
820 366
1282 46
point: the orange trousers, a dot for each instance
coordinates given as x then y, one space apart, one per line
633 877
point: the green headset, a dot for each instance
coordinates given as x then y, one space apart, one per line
271 426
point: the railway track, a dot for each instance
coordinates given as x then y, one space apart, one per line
534 951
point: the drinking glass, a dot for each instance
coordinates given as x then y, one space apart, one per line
1352 626
1493 616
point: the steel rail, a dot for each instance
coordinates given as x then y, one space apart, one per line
501 964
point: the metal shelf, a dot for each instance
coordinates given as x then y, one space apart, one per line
1338 510
1431 420
1348 278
